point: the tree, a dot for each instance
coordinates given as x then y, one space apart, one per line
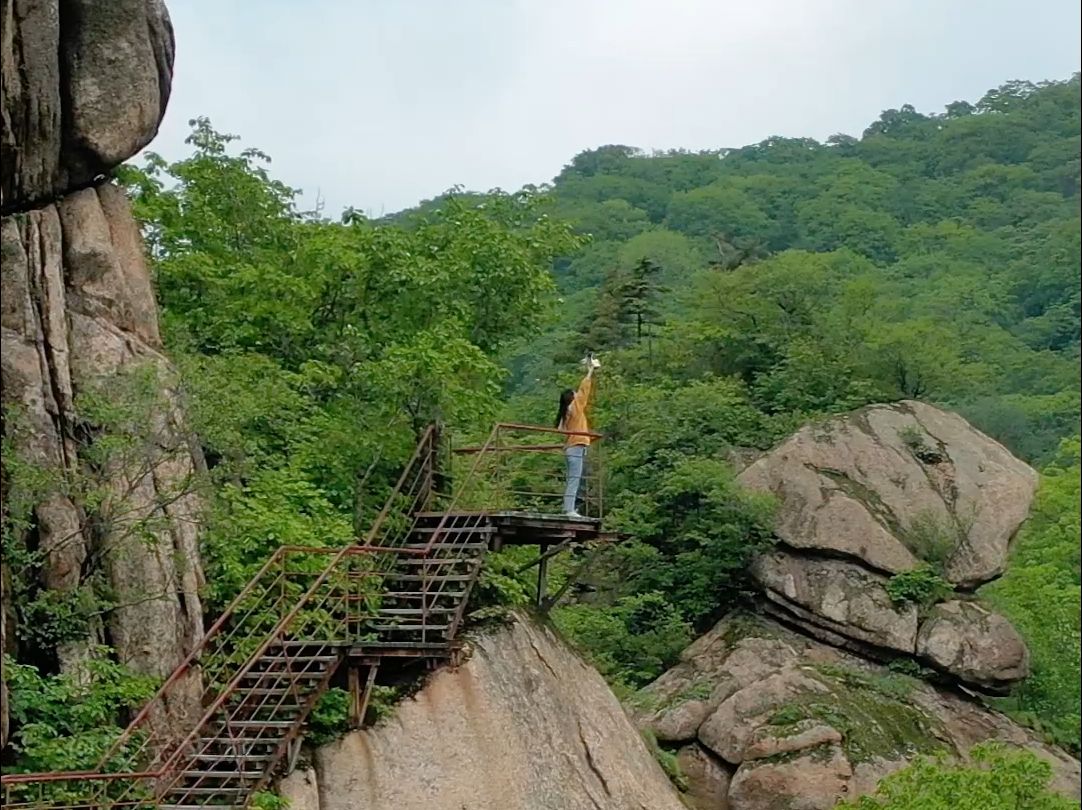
1000 778
1040 593
718 210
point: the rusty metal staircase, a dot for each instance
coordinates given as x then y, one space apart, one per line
242 697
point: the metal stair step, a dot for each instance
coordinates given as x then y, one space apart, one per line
233 757
221 774
297 659
422 595
284 712
429 578
238 746
256 723
415 611
284 674
484 529
412 628
206 791
437 561
432 647
201 777
260 690
450 546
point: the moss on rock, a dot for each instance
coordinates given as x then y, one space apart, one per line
869 710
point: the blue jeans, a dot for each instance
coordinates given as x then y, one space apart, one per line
576 458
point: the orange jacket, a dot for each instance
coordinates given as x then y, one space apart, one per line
575 420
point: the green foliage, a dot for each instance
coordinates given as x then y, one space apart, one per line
1040 593
329 719
1000 778
786 716
893 685
314 352
383 701
932 540
908 666
935 257
922 586
502 583
667 760
737 294
630 642
266 800
66 722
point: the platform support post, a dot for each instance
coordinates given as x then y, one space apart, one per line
360 695
542 575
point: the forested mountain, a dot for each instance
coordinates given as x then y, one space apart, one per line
732 295
937 256
737 294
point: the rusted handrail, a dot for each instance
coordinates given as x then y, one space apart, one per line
71 776
213 632
234 651
543 429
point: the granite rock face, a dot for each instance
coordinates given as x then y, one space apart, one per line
890 485
880 492
793 722
84 87
523 724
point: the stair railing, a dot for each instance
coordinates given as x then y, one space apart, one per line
208 674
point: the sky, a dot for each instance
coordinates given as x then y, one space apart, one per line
380 104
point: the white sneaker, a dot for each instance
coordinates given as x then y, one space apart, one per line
575 515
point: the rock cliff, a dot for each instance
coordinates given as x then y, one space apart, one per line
84 87
766 718
524 724
880 492
799 710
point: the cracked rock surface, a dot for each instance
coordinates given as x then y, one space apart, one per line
878 492
523 724
84 87
765 718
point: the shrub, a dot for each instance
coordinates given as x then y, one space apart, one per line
1000 778
921 586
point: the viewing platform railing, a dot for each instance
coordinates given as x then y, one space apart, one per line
523 468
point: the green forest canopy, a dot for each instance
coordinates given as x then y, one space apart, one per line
734 294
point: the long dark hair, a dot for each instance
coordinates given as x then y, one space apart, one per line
566 398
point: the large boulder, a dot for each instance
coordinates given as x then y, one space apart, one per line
843 597
523 724
731 731
876 494
85 85
814 780
890 485
678 702
707 779
811 723
974 644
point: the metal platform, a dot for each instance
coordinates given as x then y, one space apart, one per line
515 528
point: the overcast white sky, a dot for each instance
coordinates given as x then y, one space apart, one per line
381 104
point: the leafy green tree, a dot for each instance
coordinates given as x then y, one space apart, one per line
719 210
631 642
1041 593
1000 778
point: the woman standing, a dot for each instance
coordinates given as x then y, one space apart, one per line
572 418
